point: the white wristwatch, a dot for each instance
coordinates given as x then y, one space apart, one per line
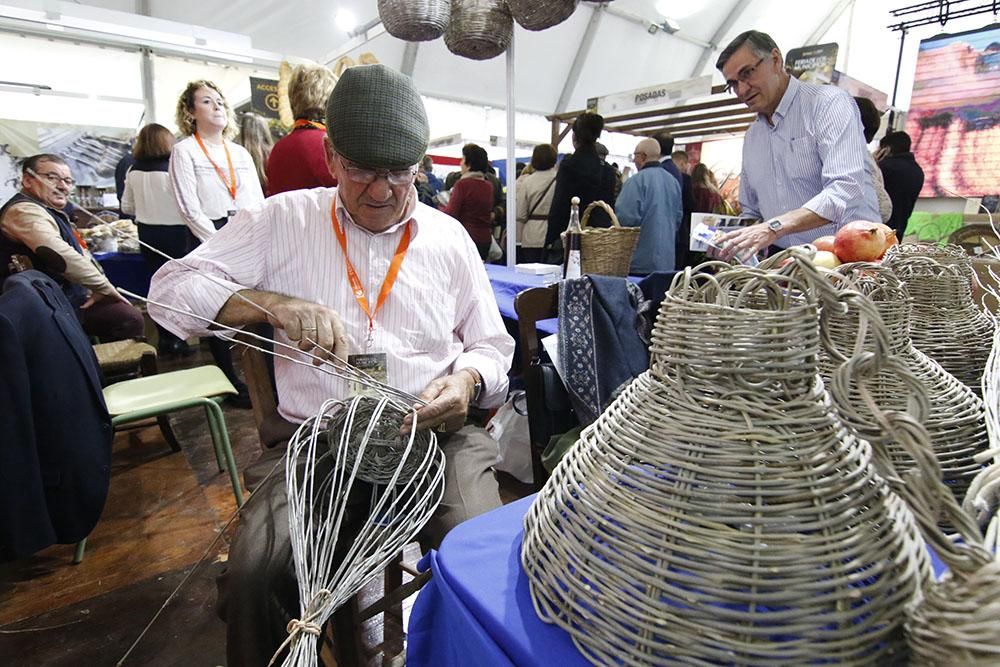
775 226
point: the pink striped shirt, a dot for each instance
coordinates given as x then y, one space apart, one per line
441 315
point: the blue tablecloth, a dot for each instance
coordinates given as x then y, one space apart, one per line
125 270
508 283
477 609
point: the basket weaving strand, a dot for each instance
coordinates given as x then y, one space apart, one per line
406 487
954 416
719 511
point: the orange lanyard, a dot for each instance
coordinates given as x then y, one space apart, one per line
231 183
352 275
302 122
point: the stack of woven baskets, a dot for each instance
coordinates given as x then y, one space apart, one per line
720 512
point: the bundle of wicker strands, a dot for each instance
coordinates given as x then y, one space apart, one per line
954 416
405 482
479 29
541 14
719 511
945 323
415 20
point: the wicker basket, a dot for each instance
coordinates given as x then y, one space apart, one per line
415 20
479 29
541 14
945 325
606 251
954 416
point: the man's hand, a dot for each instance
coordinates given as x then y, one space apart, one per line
99 296
311 325
743 242
447 401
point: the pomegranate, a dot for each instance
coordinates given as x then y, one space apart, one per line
890 236
824 243
861 241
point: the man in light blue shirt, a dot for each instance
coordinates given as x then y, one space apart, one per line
803 157
651 200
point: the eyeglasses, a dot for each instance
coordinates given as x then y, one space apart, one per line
633 156
55 179
743 76
365 176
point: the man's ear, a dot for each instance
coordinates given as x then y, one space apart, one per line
328 145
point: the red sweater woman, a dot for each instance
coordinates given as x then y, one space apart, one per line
471 201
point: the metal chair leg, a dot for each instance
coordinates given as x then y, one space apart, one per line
213 431
222 444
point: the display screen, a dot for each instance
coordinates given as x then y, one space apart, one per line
954 118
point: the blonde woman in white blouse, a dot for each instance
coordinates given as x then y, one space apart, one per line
212 179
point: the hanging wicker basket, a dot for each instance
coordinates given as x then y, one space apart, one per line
415 20
606 251
479 29
541 14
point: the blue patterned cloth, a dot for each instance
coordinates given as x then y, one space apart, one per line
603 340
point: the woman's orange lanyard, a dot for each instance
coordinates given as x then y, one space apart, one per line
352 275
231 183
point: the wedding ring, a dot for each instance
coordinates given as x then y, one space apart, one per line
309 328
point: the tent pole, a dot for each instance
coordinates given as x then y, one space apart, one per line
895 84
511 168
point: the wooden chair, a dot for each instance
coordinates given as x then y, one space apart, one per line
549 412
347 624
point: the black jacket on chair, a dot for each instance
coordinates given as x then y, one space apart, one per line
55 432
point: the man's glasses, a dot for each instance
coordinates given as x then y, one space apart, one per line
54 179
634 156
743 76
365 176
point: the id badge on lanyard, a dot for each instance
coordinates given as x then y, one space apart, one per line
373 361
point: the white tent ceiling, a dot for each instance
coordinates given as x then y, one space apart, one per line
619 55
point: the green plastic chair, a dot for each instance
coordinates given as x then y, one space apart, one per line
158 395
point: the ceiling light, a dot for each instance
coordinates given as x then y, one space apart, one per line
346 20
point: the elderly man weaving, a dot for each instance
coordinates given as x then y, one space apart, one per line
803 157
363 269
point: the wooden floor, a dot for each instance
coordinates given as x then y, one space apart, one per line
163 523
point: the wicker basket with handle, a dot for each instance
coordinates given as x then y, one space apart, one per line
606 250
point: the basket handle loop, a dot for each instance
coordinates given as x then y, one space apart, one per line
607 208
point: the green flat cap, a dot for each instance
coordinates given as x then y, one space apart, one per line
376 118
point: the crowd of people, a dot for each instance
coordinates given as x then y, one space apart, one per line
352 199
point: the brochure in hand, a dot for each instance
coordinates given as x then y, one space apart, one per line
707 227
